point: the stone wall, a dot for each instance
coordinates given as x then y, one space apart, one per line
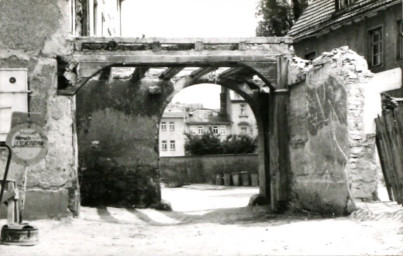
117 123
203 169
32 34
332 159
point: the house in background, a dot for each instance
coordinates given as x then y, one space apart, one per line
241 115
103 18
234 117
372 28
172 128
202 121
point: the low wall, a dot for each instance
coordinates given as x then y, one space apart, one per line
203 169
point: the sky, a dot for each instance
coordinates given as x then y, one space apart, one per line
207 94
190 18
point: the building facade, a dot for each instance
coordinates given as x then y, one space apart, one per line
32 34
241 115
102 17
235 116
372 28
202 121
171 134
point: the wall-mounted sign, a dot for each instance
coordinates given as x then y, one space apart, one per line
28 143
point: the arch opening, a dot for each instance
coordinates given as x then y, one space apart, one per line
118 127
205 153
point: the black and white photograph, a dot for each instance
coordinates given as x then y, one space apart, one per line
201 127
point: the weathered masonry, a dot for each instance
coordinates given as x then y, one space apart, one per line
102 127
118 118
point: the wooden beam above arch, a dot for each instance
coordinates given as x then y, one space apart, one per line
169 73
237 72
201 72
89 68
139 73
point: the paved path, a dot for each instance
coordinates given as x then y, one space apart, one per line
211 220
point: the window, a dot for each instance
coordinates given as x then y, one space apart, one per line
102 24
215 129
193 129
310 55
171 126
375 47
400 40
164 146
172 145
243 110
244 130
95 18
200 130
341 4
163 126
223 129
237 96
73 17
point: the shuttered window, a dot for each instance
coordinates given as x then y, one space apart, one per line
375 47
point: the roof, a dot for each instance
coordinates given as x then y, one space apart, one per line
321 15
168 114
207 116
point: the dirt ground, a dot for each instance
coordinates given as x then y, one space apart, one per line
214 220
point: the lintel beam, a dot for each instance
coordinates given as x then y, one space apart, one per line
237 72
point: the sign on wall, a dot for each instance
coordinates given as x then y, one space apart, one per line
13 96
28 143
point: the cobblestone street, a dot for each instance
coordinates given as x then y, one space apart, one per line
213 220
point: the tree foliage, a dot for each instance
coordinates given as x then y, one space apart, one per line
278 16
238 144
205 144
209 143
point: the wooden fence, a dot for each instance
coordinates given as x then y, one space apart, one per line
389 139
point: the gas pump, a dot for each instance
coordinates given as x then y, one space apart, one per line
15 232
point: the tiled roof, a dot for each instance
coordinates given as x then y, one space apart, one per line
207 116
169 114
321 15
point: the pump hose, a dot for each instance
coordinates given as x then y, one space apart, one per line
3 184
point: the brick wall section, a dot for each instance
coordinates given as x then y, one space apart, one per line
330 154
32 39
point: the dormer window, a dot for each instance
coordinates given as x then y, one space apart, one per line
341 4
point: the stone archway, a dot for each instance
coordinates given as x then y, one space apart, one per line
111 114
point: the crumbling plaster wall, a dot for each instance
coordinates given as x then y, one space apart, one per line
117 123
32 33
331 155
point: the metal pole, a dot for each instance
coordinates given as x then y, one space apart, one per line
3 184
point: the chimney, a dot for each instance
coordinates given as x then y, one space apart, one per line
223 101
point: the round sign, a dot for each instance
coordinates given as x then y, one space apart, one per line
28 143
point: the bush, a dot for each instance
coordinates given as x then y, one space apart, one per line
210 143
238 144
206 144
